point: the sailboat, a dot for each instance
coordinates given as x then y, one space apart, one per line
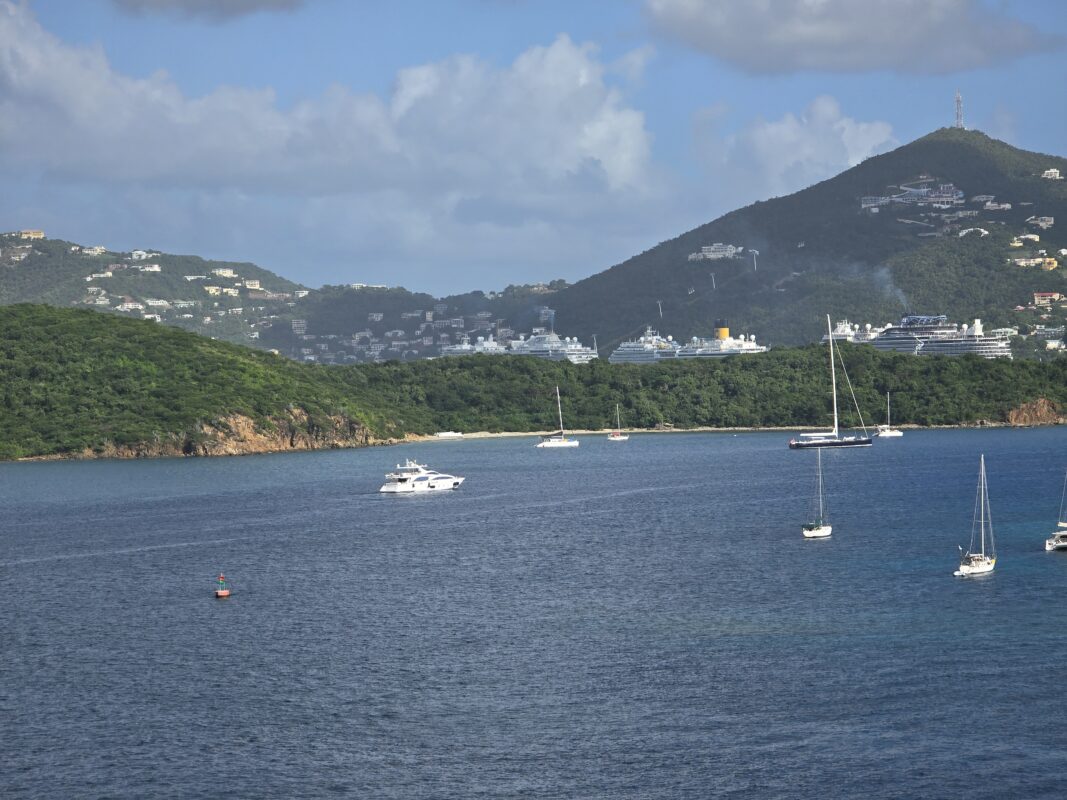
617 435
558 439
1057 540
982 561
887 430
832 438
818 528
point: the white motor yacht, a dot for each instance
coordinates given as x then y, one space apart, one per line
412 478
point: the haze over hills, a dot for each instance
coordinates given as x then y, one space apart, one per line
931 227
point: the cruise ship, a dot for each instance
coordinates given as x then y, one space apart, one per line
652 348
845 331
550 346
647 348
935 335
483 346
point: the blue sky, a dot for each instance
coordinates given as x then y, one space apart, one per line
446 146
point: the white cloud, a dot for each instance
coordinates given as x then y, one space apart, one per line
767 159
911 36
462 154
210 9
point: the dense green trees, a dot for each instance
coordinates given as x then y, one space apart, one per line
73 380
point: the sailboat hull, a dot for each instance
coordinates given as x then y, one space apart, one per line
975 565
849 441
558 443
817 531
620 437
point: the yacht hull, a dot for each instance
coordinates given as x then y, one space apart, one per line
976 567
857 441
558 443
443 484
817 532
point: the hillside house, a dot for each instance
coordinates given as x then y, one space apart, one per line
1052 174
214 291
300 293
230 292
129 305
300 326
224 272
195 277
31 234
1044 223
150 268
1046 298
375 316
251 283
96 250
716 251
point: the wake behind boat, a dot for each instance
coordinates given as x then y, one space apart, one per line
414 478
833 438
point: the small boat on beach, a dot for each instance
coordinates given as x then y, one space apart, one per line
981 555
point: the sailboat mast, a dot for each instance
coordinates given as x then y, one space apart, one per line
818 467
559 407
833 374
983 500
887 422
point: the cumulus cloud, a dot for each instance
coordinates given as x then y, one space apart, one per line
211 9
911 36
777 157
459 154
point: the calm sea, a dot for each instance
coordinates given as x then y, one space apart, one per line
630 620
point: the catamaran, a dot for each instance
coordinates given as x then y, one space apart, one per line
833 438
558 439
617 435
982 561
1057 540
887 431
818 528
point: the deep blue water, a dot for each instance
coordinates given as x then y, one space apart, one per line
622 621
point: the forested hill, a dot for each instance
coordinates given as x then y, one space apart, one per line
819 252
77 383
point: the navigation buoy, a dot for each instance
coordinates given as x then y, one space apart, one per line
222 589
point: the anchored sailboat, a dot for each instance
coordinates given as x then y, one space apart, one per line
617 435
558 439
818 528
982 560
833 438
887 431
1057 540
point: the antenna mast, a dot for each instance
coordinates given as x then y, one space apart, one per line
959 110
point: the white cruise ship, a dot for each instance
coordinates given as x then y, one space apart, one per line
935 335
845 331
647 348
552 347
652 348
482 346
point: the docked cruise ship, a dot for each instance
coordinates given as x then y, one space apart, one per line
935 335
652 348
647 348
483 346
550 346
845 331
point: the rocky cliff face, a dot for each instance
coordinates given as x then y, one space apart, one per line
1038 412
241 435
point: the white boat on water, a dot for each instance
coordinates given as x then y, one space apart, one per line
1057 540
833 438
887 431
558 439
414 478
617 435
818 528
981 554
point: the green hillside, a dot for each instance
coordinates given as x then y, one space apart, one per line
820 253
77 382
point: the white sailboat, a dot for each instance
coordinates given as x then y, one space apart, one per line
887 431
984 559
617 435
1057 540
832 438
818 528
558 439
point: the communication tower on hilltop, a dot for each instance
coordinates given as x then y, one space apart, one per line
959 110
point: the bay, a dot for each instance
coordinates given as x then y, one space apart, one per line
621 620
